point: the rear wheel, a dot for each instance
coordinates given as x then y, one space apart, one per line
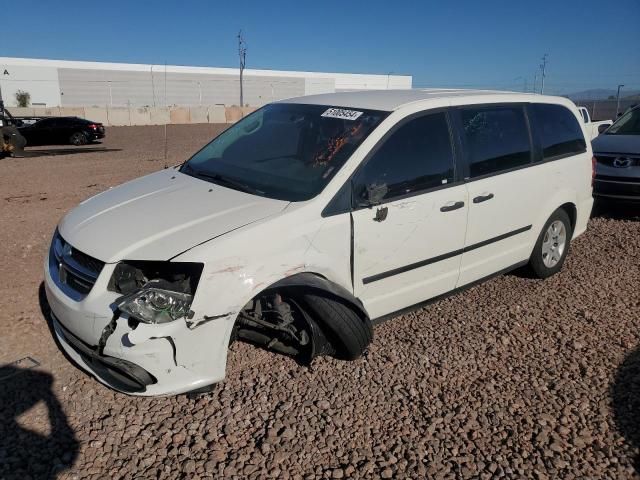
552 246
78 139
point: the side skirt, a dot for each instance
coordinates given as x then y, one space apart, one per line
384 318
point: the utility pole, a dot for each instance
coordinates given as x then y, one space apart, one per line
535 82
543 67
242 53
618 101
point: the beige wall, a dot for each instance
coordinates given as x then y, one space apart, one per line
112 116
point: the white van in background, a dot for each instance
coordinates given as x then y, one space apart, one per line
308 221
593 129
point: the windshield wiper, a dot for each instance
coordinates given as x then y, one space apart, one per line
223 181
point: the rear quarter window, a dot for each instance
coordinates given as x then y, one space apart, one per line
558 130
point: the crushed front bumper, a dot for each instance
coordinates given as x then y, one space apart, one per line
121 374
146 360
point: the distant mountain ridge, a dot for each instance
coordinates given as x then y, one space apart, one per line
602 94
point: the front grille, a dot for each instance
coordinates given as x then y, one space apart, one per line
73 271
611 178
86 261
610 159
616 187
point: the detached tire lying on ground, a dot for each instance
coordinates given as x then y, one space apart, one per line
552 246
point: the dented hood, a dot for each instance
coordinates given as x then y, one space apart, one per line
159 216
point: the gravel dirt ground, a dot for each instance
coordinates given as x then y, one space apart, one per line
513 378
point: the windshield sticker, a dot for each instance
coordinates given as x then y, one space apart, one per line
341 113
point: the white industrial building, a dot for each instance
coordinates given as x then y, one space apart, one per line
63 83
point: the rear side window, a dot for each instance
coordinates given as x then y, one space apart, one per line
417 156
496 139
558 130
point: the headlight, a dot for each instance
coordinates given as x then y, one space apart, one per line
156 292
153 304
130 276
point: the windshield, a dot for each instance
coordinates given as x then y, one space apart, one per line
627 124
284 151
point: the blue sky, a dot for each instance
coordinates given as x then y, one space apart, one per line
497 44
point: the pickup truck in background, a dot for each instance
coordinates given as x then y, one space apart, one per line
593 128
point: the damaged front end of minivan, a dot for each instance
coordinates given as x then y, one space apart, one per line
164 327
131 324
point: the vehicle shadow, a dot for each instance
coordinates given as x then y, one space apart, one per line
625 401
48 152
616 210
25 453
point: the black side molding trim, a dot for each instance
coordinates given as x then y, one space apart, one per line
439 258
497 239
384 318
412 266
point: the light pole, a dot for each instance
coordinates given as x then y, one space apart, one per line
618 100
543 67
242 53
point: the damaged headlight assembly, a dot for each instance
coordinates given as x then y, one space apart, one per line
156 292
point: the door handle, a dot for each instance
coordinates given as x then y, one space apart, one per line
381 214
451 206
483 198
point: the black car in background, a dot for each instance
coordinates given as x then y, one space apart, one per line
62 131
617 154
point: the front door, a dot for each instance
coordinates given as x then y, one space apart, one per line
410 220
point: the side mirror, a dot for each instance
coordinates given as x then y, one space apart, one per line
602 128
372 195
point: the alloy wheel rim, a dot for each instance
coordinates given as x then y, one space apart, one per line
554 244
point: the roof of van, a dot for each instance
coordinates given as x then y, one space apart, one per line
389 100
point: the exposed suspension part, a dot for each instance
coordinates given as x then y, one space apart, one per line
275 324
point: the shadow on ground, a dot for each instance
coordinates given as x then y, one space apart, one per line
48 152
25 453
625 394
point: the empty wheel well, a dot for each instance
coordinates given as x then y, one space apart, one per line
571 210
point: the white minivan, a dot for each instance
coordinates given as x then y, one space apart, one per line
310 220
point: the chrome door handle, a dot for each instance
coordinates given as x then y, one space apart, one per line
451 206
483 198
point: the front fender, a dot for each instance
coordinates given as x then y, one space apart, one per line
312 281
240 265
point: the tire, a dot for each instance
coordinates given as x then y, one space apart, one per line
78 139
348 332
550 252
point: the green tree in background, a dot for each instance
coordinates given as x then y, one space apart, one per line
23 99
